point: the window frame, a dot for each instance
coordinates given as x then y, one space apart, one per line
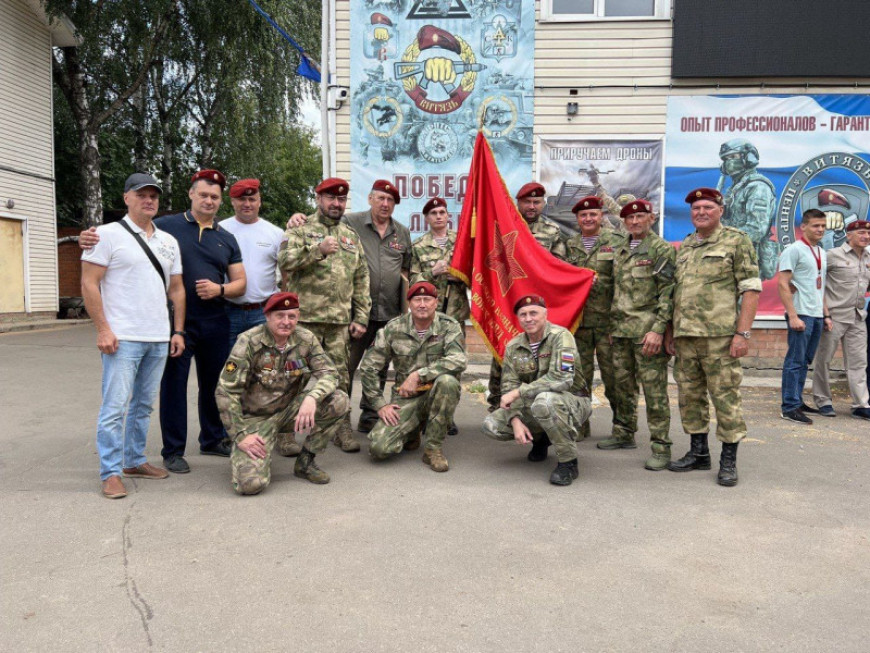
663 11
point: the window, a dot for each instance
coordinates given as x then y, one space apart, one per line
589 10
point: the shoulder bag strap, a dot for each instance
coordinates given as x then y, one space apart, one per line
148 252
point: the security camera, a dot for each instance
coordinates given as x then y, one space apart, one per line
342 93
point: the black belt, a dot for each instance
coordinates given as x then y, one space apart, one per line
250 307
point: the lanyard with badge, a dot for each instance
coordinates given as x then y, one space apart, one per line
818 260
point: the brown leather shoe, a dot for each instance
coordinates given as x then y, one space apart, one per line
145 470
113 488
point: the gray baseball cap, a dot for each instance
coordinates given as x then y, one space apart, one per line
140 180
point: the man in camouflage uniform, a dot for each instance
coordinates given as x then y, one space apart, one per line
324 263
594 248
531 201
544 397
387 247
642 308
430 260
262 391
715 299
750 201
426 348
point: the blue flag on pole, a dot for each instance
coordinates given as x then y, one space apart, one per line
305 68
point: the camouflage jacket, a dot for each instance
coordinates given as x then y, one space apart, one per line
596 313
440 352
332 289
452 296
259 381
643 287
710 277
552 370
548 234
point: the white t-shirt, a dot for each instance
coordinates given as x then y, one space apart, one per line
260 243
134 299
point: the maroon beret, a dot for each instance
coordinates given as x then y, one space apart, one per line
214 176
828 197
434 203
637 206
858 224
430 36
422 289
380 19
704 194
529 300
532 189
587 203
245 187
333 186
281 301
388 187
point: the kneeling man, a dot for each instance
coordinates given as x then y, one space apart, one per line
262 392
427 352
544 397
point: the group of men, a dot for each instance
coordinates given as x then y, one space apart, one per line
273 365
823 293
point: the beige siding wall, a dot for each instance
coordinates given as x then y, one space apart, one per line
26 156
610 64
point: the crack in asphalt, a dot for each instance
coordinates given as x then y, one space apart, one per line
136 599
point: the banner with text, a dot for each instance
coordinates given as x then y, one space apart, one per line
773 157
425 76
618 171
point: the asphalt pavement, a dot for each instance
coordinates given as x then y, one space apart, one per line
394 557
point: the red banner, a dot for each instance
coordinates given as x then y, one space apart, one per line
499 259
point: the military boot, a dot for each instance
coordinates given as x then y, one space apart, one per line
616 442
540 445
698 456
728 465
565 473
436 460
306 468
661 456
344 437
287 445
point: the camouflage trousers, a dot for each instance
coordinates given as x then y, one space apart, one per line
253 475
494 398
705 366
630 368
335 340
596 340
432 410
560 415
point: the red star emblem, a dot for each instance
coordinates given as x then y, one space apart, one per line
501 260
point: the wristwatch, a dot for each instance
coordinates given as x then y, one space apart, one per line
745 334
179 333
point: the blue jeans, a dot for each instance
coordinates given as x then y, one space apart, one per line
131 377
802 347
242 320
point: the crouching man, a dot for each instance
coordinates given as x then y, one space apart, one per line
544 397
427 352
262 392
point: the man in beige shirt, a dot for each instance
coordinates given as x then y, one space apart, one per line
848 279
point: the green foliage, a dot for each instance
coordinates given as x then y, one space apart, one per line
220 90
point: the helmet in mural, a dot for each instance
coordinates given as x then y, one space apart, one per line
625 198
738 155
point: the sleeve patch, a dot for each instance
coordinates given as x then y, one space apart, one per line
567 361
231 367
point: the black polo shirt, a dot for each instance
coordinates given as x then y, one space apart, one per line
205 254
